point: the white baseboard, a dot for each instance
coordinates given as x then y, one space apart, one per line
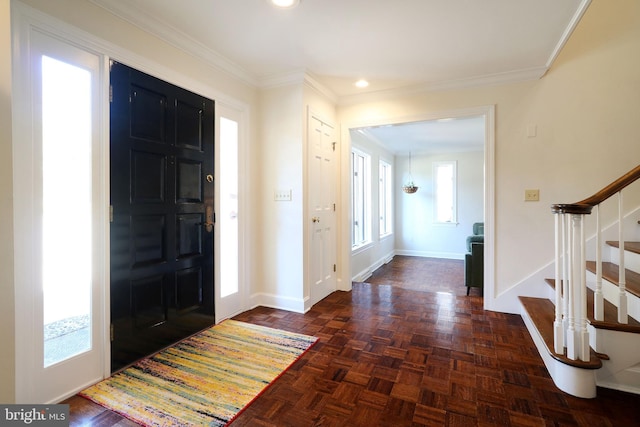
363 275
429 254
295 305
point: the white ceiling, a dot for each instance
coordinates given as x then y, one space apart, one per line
395 45
428 137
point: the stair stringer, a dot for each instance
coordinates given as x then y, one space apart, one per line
622 370
575 381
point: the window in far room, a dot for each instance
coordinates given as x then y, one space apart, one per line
385 198
444 174
361 204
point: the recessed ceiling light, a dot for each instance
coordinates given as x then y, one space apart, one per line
285 4
362 83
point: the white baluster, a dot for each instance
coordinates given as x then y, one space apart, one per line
598 300
585 350
622 297
572 335
566 239
558 333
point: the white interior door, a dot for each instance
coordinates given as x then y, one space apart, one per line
322 209
60 210
228 206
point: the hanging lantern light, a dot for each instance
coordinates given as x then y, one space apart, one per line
409 187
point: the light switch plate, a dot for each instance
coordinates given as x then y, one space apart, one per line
282 195
531 195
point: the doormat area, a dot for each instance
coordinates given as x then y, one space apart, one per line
206 379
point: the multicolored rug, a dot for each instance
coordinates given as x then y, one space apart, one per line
206 379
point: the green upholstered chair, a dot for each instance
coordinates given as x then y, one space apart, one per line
474 259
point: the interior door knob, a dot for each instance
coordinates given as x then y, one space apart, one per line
315 219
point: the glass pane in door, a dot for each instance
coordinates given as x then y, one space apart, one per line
66 209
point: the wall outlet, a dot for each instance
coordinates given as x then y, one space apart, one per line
531 195
282 195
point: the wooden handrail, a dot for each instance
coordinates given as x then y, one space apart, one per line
584 206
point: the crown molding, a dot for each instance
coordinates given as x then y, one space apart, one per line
312 82
299 76
497 79
281 79
568 31
176 38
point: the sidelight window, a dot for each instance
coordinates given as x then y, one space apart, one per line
66 209
228 221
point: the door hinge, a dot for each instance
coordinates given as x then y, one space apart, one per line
333 145
334 207
334 268
110 93
110 213
111 332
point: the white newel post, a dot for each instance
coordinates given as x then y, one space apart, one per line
572 295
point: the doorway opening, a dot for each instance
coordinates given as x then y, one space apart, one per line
363 262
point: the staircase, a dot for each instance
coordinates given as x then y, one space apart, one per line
587 331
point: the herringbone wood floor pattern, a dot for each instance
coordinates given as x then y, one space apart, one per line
408 350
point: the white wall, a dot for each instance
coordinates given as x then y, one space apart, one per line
280 238
365 260
416 232
7 312
586 109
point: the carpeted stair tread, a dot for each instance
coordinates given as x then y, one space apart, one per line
610 315
542 314
610 272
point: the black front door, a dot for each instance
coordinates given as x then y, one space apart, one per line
162 201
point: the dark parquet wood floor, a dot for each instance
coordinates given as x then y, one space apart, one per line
392 355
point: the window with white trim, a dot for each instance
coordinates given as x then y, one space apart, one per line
385 198
361 204
445 186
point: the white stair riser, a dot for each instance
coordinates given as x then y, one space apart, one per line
631 259
611 291
622 371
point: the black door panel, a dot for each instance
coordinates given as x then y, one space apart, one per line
161 249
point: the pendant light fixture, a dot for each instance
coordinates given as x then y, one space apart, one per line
409 187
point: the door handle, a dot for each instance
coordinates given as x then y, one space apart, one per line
208 222
315 219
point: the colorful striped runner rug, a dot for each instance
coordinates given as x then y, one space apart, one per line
204 380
